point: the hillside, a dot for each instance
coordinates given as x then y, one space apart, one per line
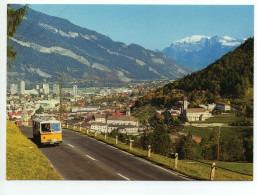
24 161
47 44
197 52
229 77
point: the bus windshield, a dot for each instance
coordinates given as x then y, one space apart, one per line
56 127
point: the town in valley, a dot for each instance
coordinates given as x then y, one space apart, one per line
96 109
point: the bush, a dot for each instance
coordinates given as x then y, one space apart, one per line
248 146
188 148
232 149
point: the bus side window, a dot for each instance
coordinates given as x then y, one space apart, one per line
45 127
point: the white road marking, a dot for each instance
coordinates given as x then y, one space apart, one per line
123 176
90 157
71 145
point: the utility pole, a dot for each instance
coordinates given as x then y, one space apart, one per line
60 110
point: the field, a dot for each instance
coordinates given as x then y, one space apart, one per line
221 118
242 132
24 161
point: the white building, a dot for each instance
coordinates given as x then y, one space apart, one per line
14 89
31 92
22 87
75 90
197 114
100 127
209 107
194 114
84 109
122 120
125 129
47 104
222 106
56 89
46 89
100 118
128 129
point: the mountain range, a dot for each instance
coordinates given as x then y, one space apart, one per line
228 78
47 45
197 52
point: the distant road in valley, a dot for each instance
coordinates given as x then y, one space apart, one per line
80 157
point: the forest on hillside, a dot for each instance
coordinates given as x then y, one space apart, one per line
229 79
232 75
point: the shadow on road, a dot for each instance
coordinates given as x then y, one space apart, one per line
39 145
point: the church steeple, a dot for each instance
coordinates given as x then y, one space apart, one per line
185 103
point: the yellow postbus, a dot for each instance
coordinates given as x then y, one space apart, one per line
47 131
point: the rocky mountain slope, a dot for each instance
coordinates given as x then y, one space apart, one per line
47 45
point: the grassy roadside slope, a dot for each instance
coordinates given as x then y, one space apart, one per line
24 161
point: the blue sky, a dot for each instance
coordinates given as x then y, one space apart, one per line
156 26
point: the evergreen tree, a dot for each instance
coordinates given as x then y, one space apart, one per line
114 133
248 146
146 140
14 18
232 149
209 146
40 110
188 148
160 141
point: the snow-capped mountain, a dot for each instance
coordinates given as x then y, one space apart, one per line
198 51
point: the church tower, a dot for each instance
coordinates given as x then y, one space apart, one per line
185 103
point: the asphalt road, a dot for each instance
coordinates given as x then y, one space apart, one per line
80 157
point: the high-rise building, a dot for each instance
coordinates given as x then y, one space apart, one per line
46 89
56 89
75 90
14 89
22 87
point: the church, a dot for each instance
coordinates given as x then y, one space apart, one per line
194 114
